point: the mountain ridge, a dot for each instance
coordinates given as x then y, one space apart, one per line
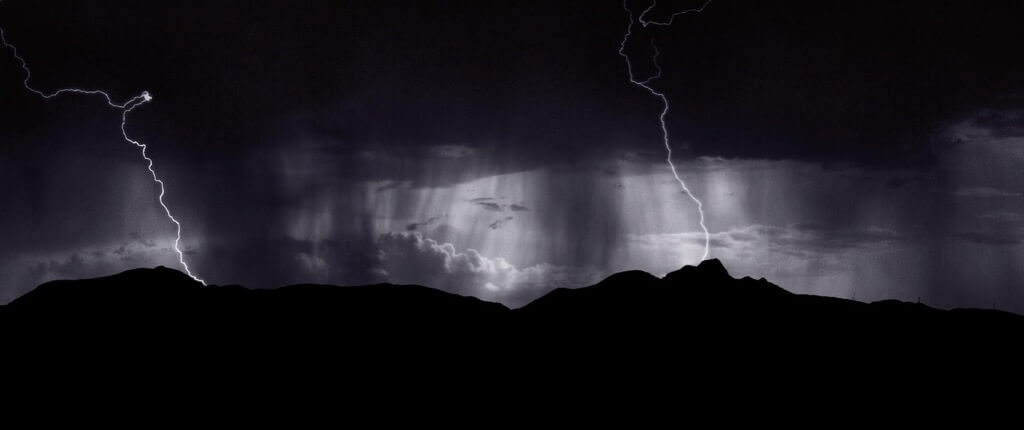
162 279
697 324
705 292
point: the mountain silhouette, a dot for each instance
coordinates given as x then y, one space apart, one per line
690 324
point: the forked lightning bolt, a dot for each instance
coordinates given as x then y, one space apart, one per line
645 84
125 108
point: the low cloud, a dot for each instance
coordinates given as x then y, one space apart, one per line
497 205
491 206
410 258
500 223
26 272
414 226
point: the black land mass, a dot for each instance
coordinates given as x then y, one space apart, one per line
694 318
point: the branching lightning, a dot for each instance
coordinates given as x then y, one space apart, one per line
125 108
645 84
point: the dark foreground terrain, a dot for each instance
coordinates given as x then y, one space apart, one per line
693 306
697 325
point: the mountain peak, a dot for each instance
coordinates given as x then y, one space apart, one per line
713 265
708 270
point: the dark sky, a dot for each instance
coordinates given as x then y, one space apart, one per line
869 149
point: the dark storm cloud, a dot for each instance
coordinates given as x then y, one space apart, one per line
282 131
374 88
868 82
378 86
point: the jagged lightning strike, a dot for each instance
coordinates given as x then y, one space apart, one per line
125 108
645 84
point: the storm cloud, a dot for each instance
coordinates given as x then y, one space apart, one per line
870 149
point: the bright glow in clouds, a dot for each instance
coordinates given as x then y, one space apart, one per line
125 108
664 100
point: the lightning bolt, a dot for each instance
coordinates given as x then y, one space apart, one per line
645 84
125 108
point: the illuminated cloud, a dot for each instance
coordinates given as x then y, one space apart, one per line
409 258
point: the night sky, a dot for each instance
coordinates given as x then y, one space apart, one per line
868 150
